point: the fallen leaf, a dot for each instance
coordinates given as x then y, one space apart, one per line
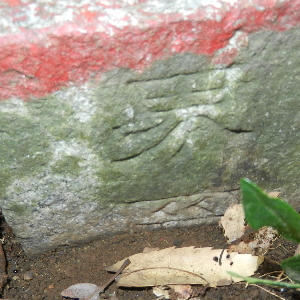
173 292
162 292
81 291
256 243
241 239
274 194
187 265
89 291
233 222
181 291
297 251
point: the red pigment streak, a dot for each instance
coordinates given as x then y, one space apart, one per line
28 68
226 57
89 15
13 3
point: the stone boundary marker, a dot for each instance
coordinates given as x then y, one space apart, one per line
119 115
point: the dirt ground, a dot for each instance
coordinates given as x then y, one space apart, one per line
46 276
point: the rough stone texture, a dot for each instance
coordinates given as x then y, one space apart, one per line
122 154
158 148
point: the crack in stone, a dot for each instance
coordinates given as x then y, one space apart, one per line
186 73
132 131
164 223
238 130
19 72
148 148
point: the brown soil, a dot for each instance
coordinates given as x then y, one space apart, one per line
52 272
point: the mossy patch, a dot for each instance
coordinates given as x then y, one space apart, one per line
57 117
19 209
68 165
166 171
23 147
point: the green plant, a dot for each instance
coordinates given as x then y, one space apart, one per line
262 210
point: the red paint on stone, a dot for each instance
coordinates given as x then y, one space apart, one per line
13 3
39 62
89 15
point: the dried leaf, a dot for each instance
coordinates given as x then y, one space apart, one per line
297 251
233 222
81 291
257 243
88 291
161 292
182 291
187 265
242 240
175 291
274 194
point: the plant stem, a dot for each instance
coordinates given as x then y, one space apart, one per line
110 280
267 282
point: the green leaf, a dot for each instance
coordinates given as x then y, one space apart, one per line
291 267
262 210
266 282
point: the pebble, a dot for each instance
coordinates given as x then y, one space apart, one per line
28 275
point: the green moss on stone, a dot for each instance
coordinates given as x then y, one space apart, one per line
19 209
23 147
56 116
68 165
167 170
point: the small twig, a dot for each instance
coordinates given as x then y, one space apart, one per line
268 291
110 280
221 255
272 261
277 278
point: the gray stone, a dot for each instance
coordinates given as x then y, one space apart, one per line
159 149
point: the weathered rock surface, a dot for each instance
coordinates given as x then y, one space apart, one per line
165 147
